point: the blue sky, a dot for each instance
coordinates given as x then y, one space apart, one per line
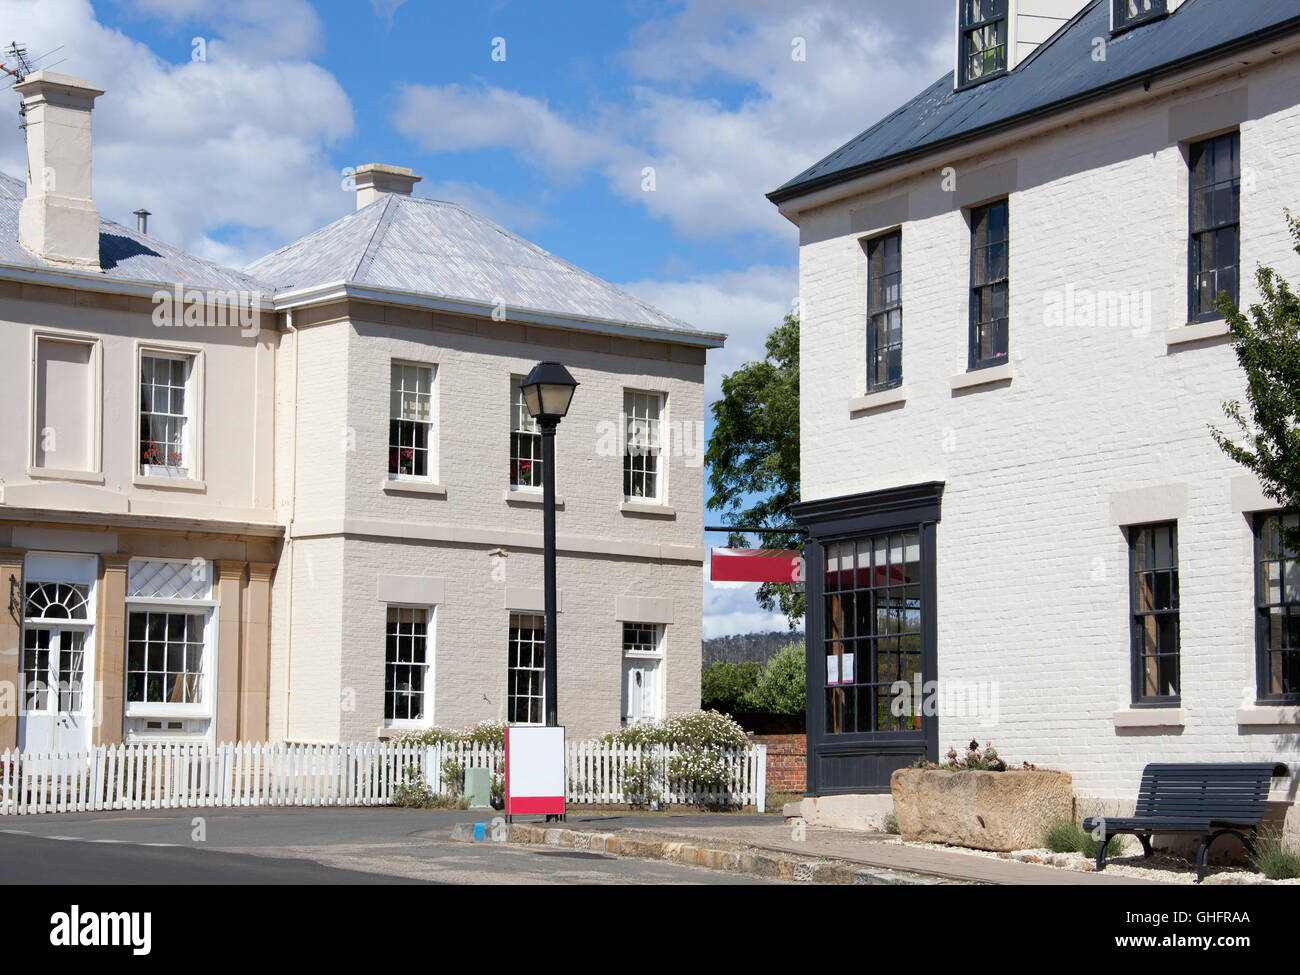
244 150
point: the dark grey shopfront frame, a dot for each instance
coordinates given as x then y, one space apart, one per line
840 764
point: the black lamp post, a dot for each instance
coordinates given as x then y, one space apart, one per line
548 390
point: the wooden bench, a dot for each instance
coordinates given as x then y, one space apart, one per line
1205 800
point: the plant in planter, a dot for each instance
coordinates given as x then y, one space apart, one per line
977 800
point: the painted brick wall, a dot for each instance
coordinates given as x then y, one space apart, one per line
348 531
1032 567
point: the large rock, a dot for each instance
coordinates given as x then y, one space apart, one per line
982 810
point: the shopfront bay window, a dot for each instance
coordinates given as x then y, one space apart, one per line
872 633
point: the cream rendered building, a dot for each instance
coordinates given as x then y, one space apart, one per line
301 502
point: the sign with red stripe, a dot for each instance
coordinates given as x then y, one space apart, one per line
756 565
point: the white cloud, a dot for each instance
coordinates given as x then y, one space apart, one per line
713 159
746 305
250 29
457 118
206 146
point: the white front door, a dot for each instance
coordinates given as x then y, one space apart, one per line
56 669
56 716
640 691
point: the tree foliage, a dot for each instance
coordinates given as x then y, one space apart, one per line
780 688
1267 344
753 455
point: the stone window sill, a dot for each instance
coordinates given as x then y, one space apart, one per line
981 377
1272 716
396 486
1150 718
1198 332
55 474
168 483
654 510
531 497
878 400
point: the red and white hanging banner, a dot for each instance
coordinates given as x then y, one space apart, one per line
756 565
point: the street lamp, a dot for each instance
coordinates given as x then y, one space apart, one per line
548 390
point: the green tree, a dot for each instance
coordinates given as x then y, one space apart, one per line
1267 344
723 686
780 688
753 455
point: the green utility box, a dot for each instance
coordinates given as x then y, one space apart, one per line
478 788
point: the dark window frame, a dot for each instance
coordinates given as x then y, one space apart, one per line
984 283
1291 610
995 18
862 762
1212 229
880 307
1120 20
1138 632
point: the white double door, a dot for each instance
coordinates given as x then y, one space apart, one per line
642 690
55 695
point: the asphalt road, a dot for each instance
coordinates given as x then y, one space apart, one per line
314 846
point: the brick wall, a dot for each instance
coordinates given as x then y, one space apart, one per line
787 761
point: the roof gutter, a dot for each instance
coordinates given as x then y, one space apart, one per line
93 281
338 290
799 191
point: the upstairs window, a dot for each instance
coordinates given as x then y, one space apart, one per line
410 424
983 52
1129 13
165 415
990 239
1153 560
885 308
643 413
1213 248
525 441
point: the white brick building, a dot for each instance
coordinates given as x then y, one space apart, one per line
1035 226
327 525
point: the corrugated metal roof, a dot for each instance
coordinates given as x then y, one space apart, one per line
124 254
1058 75
430 247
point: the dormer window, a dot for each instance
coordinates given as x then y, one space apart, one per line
1129 13
982 52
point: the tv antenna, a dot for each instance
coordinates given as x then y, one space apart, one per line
18 65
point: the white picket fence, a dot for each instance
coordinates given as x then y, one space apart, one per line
160 775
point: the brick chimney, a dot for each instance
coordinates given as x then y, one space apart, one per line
373 180
58 221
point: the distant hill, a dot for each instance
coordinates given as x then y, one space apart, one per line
741 647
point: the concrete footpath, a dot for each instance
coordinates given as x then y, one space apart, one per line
778 850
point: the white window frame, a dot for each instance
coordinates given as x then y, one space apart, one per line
205 707
654 443
509 696
427 694
431 425
519 412
655 654
192 452
96 419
